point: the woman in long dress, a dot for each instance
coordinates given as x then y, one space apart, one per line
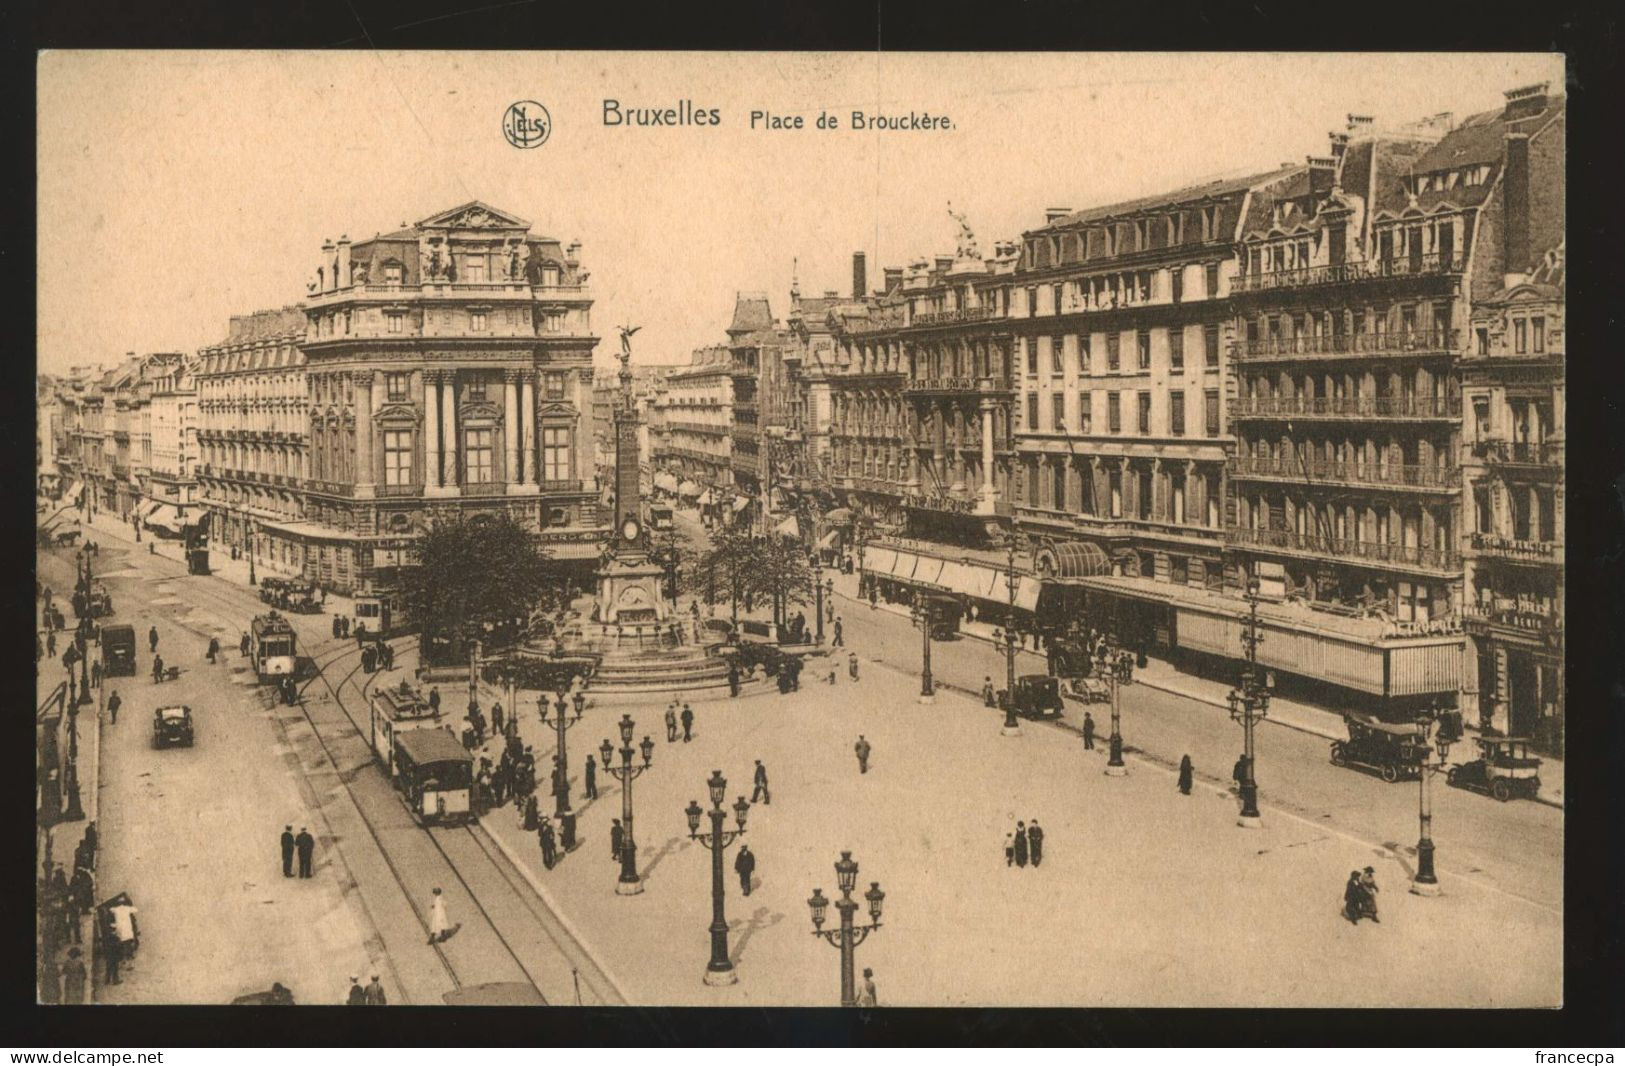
437 918
1185 774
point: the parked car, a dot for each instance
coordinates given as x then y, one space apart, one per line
1504 769
172 725
1038 696
1392 750
118 651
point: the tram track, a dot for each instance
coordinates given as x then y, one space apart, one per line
506 903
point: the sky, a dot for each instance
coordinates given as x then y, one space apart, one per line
177 189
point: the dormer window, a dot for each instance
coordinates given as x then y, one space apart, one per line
392 273
474 270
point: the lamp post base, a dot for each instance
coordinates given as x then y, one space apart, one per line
1116 771
1008 730
1250 821
629 888
1425 888
721 978
926 699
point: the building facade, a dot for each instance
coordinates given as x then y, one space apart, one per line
696 415
172 477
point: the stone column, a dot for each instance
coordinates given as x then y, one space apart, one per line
448 421
527 420
431 432
364 461
988 494
511 430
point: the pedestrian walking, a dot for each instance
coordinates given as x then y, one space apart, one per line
50 646
306 845
360 633
617 837
671 713
544 836
95 673
1009 849
1186 772
497 719
287 851
1035 842
760 792
368 659
744 865
1238 773
157 668
1021 844
840 638
337 626
152 639
1352 894
688 723
113 703
530 816
434 699
112 950
1368 895
386 655
214 649
987 692
591 778
867 995
242 645
375 994
358 995
852 665
733 681
439 928
862 748
1088 731
73 978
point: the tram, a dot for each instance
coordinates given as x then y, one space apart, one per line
397 709
434 774
272 646
384 614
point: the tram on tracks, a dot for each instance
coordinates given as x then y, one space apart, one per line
424 760
272 647
383 613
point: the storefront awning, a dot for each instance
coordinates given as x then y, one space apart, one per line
166 517
688 488
148 507
839 517
75 490
707 498
789 527
666 481
1027 589
828 540
741 502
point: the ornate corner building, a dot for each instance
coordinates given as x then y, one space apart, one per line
441 368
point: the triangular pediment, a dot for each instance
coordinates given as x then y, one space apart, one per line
474 215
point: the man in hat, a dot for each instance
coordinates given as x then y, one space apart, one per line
358 995
761 792
1088 731
688 722
113 704
591 777
862 749
840 636
617 837
375 994
288 844
306 845
745 865
544 836
1035 842
152 639
867 995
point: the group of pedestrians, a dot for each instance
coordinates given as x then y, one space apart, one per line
64 901
341 626
1025 845
303 846
370 996
1360 896
686 717
377 656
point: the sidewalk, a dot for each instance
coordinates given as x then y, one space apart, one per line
1159 674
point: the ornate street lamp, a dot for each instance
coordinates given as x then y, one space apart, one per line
253 543
848 936
1007 636
86 627
1426 882
629 884
561 723
720 970
1247 706
1116 671
922 614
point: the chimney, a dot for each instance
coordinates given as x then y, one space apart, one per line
1515 188
893 276
343 279
1053 213
1340 144
328 283
860 276
1322 174
1525 102
944 262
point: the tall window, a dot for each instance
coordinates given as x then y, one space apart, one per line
1210 338
1176 279
1142 342
479 456
1113 353
553 385
1057 348
1176 414
1083 354
392 273
1145 413
1210 412
1176 348
1058 411
1520 335
1114 413
397 456
555 454
475 389
1032 411
396 322
396 385
1055 299
1537 327
1212 277
1031 346
476 320
1085 415
474 269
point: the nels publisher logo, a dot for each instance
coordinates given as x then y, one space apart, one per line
527 124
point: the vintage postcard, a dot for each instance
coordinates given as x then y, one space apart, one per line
800 529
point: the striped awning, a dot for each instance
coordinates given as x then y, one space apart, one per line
688 488
666 481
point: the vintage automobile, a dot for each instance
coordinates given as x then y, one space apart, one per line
172 725
272 588
118 651
100 603
1504 769
1392 750
301 597
1038 696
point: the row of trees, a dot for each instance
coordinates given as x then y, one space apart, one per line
770 569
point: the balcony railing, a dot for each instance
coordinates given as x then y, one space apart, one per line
561 485
400 490
1335 345
485 488
1377 475
1361 407
1534 551
1337 547
1342 273
1520 453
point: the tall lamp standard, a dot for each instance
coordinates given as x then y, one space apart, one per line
1426 882
922 615
720 970
561 723
253 544
1116 670
86 627
818 594
1247 706
629 884
848 936
1007 636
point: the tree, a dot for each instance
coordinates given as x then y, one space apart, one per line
726 565
472 572
778 572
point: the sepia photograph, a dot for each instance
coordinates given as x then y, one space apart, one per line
800 529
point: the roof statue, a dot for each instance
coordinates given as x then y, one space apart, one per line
967 240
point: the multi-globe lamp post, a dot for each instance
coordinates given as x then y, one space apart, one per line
1116 669
561 722
922 614
848 935
629 883
1247 705
1426 882
720 970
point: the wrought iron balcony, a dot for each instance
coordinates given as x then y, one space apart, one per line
1341 345
1434 265
1355 407
1438 559
1374 475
